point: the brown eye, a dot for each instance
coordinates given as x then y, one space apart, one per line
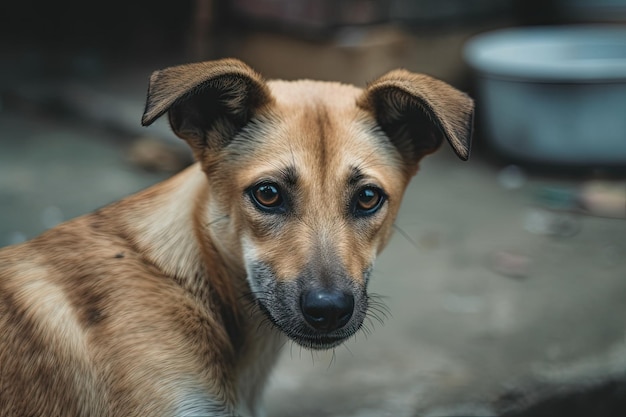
368 200
267 197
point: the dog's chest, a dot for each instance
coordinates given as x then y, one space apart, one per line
254 371
252 374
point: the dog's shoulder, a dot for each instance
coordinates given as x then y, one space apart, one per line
79 300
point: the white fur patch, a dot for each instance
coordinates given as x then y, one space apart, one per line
250 256
194 402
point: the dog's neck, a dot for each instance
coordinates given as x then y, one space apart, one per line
160 219
167 223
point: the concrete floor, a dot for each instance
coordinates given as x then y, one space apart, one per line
484 298
479 305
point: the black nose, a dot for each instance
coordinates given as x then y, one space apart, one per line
327 310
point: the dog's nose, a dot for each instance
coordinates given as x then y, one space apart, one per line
327 310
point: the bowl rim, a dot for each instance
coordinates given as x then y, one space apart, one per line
492 53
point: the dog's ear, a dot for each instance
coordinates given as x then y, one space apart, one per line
207 102
417 112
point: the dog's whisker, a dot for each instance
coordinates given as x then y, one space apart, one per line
219 219
346 347
254 294
379 310
365 328
333 358
377 314
376 302
377 318
405 235
262 325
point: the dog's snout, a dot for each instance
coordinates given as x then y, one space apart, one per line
327 310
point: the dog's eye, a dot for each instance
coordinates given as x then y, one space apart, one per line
267 197
368 200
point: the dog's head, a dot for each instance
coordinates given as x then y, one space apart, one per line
306 178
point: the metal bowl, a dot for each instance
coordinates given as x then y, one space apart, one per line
553 94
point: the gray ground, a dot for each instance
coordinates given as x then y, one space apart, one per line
486 290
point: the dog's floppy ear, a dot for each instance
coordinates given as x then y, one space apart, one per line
207 102
417 112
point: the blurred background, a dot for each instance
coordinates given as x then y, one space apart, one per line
506 283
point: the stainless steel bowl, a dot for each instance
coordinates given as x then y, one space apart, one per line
553 94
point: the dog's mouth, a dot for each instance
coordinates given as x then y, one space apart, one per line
302 334
319 342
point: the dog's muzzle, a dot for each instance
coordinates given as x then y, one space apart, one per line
313 315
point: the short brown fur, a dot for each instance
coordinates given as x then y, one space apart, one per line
155 304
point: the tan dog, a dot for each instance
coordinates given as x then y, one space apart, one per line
154 305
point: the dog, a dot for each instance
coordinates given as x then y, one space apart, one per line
176 301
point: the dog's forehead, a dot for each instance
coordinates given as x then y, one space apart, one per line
317 132
319 123
304 92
